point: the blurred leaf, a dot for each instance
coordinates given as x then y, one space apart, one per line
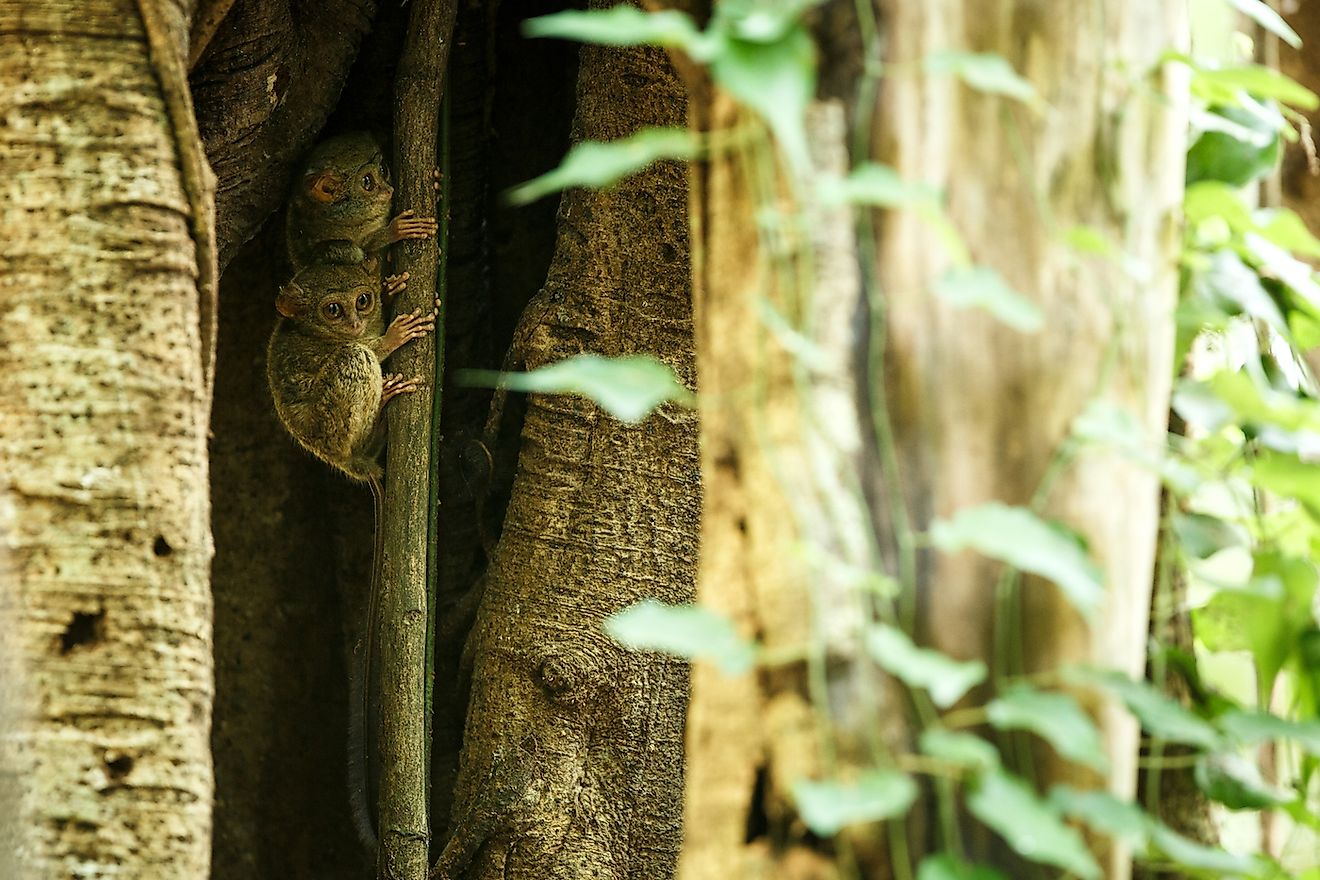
776 80
628 388
1197 404
1124 821
956 747
1021 539
1055 718
943 677
1255 406
1284 228
687 631
827 807
595 164
1215 199
1261 13
1190 854
1235 159
1289 476
1234 286
618 26
1089 240
949 867
1202 536
874 184
984 288
1106 423
984 72
1220 85
1277 263
1161 716
1253 728
1032 827
1236 783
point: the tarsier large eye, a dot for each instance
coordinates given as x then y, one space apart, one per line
334 310
368 181
363 302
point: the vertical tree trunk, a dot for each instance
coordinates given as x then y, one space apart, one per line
981 409
103 465
571 765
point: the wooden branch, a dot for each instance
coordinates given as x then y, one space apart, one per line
206 21
167 61
404 830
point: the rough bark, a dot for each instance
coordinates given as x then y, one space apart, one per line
981 409
103 454
571 764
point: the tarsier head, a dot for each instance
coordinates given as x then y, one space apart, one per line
347 175
333 302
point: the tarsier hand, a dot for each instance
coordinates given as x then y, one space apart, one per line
394 384
409 225
406 328
395 283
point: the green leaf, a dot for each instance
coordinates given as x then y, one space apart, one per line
1225 156
956 747
1289 476
1236 783
628 388
874 184
1202 536
1277 263
876 795
1237 157
1252 728
596 164
618 26
1220 86
776 80
1190 854
1161 716
1284 228
1105 423
1105 813
1032 827
1054 717
1018 537
949 867
1261 13
943 677
687 631
1211 199
1089 240
984 288
983 71
1256 406
1235 287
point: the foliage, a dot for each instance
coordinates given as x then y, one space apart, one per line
1243 524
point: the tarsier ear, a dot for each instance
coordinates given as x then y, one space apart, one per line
324 187
285 302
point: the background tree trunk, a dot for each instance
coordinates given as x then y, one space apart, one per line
981 409
571 761
103 452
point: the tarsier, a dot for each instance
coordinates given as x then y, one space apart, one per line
340 208
324 358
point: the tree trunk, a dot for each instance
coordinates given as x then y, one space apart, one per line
571 764
981 409
103 454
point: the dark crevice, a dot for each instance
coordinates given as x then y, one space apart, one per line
83 629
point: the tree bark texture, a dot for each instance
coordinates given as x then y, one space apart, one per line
571 765
103 462
981 409
785 531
